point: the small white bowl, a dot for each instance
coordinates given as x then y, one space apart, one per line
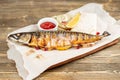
47 19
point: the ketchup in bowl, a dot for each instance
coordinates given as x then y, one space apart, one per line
47 25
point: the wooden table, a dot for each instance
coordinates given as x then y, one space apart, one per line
14 14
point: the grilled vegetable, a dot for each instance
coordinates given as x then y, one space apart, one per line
49 40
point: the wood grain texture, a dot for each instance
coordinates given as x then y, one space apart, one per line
14 14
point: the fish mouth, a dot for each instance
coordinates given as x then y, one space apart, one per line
12 37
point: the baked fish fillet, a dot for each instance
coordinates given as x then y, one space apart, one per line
50 40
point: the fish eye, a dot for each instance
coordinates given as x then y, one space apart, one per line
17 34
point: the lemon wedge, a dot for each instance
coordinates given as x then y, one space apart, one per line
73 21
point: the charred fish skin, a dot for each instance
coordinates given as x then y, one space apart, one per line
49 40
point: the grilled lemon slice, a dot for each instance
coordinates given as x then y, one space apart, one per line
63 48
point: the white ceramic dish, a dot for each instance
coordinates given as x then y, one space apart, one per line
47 19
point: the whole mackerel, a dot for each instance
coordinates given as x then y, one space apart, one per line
59 40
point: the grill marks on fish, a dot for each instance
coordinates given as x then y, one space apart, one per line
49 40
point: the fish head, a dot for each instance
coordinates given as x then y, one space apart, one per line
23 38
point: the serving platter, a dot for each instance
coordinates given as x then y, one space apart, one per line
85 54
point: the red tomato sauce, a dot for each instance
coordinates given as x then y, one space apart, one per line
47 25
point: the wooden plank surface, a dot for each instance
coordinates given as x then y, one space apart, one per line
14 14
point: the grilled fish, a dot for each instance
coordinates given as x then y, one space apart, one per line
59 40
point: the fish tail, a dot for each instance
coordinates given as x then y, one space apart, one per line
105 34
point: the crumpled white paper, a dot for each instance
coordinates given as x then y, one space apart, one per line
89 13
31 63
88 24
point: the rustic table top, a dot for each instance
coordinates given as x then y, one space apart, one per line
14 14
